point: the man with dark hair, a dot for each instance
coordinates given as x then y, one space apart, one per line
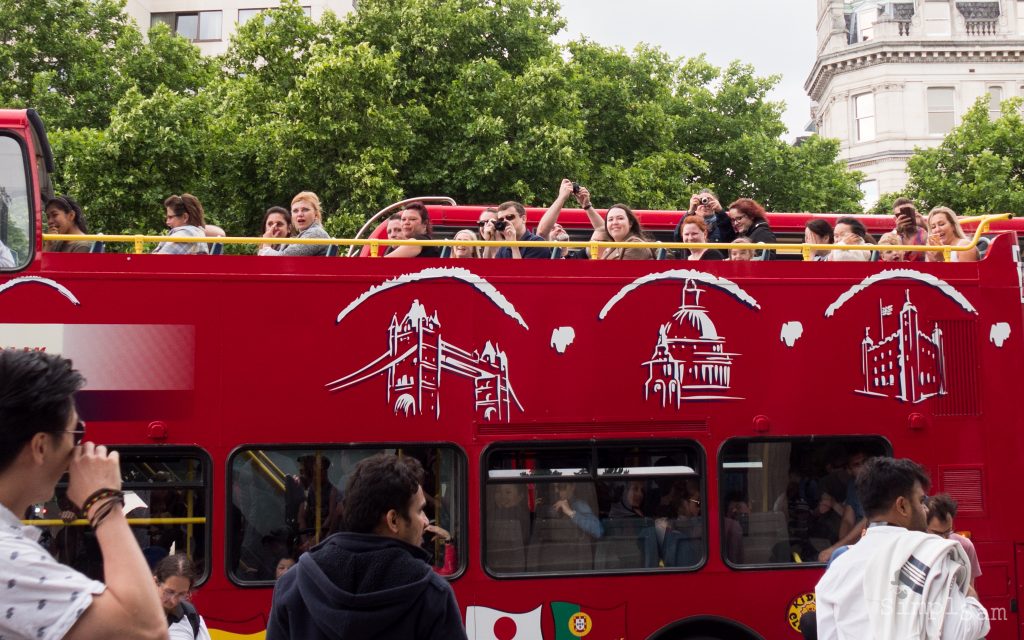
512 219
372 581
910 227
941 511
898 581
40 440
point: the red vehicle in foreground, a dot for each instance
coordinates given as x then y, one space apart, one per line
689 414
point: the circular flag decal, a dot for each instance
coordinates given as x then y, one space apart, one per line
580 624
798 606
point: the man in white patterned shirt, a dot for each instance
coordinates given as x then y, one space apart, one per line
40 440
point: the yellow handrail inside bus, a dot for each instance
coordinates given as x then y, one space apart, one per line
275 480
592 246
82 522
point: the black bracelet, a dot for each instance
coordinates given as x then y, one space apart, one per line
105 510
96 496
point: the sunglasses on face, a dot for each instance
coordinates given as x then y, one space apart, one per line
483 223
508 217
78 433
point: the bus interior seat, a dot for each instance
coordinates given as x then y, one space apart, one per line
556 253
556 543
765 531
217 248
984 242
627 543
662 253
332 250
508 531
98 247
446 252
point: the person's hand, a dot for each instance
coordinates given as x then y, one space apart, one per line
934 240
439 532
583 197
694 202
825 554
92 468
509 233
563 506
565 189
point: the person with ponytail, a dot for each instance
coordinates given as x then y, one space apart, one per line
175 576
184 219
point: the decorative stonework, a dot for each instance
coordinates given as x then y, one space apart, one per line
978 11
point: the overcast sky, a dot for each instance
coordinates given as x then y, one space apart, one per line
776 36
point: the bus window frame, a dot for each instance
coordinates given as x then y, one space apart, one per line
32 197
207 488
592 447
825 439
461 535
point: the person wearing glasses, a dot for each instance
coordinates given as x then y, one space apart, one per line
941 511
486 230
41 440
185 219
511 225
174 577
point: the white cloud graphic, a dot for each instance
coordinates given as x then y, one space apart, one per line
999 333
562 337
791 332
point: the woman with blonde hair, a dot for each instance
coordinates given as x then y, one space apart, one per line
306 218
944 231
464 251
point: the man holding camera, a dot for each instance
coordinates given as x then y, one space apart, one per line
910 227
511 224
706 205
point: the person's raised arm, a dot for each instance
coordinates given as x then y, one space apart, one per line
595 218
550 217
129 607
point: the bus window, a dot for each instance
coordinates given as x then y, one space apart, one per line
610 508
285 500
787 501
15 210
166 498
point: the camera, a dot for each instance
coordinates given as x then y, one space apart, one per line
575 188
705 200
499 225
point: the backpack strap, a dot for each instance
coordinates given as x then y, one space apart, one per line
192 615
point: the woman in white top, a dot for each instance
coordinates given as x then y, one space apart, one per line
184 218
174 577
849 231
944 230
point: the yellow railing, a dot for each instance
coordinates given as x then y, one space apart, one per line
82 522
593 247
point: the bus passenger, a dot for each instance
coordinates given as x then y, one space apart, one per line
705 205
394 227
944 230
511 225
184 218
277 223
621 225
818 231
284 564
741 254
696 230
630 539
307 220
849 232
748 219
508 527
631 503
833 518
65 217
684 532
175 576
485 224
910 227
464 251
416 226
888 255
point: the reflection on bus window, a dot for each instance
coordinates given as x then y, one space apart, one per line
616 508
166 505
787 501
15 236
285 501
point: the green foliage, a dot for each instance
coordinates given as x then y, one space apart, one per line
978 168
467 98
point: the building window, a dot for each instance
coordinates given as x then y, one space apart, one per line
866 22
937 18
869 189
244 15
864 113
1020 17
202 26
940 110
995 98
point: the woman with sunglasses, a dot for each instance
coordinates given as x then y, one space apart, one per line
174 577
485 225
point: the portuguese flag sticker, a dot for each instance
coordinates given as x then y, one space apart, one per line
577 621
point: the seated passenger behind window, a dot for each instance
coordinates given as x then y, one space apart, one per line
464 251
818 231
416 226
184 219
695 230
748 219
307 220
631 501
564 529
944 231
735 525
741 254
277 223
888 255
850 232
833 518
682 534
65 217
508 528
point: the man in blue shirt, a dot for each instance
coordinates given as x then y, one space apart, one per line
513 214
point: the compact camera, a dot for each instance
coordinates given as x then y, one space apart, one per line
705 200
575 188
499 225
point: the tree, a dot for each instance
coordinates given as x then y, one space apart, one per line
978 168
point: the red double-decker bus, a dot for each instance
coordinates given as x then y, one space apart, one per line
693 416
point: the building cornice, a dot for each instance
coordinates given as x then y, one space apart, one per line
870 54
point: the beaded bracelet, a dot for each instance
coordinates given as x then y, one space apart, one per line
105 510
98 495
